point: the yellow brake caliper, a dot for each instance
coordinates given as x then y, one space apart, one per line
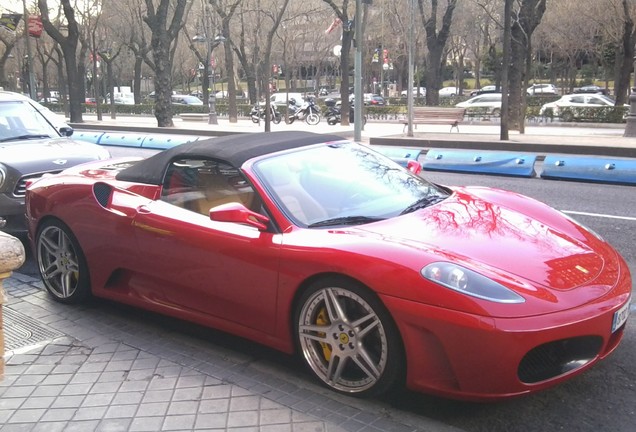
322 319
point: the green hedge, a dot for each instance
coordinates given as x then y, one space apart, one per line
593 115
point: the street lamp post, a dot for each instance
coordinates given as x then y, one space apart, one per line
211 44
212 119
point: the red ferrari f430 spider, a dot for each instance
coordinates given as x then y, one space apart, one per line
315 245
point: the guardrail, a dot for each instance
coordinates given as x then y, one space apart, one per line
519 164
558 167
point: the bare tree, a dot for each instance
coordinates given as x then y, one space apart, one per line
226 10
343 16
525 21
624 63
69 45
274 19
436 44
9 41
165 21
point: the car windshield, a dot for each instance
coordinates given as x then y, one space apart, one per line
343 184
20 120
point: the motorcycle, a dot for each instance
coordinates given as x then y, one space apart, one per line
307 111
334 116
258 113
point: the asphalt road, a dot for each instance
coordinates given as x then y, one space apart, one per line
602 399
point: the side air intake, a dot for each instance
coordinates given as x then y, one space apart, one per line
102 193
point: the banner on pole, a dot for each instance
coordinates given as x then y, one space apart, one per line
35 26
10 21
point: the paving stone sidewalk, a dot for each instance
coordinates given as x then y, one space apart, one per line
99 370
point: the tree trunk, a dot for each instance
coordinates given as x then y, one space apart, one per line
229 68
164 33
345 61
68 44
435 42
136 80
528 18
624 64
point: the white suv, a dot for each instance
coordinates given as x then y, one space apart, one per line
542 89
487 103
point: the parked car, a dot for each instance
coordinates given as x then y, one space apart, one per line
592 89
542 89
33 141
417 92
314 244
485 89
489 103
449 92
568 107
374 100
179 99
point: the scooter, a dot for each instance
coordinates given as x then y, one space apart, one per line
307 111
258 113
334 116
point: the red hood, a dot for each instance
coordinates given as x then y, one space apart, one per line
508 232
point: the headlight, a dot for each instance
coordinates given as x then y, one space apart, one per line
3 176
468 282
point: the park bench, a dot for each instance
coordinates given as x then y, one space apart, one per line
437 115
194 116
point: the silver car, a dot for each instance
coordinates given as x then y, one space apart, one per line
33 141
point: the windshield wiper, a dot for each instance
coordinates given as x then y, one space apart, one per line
26 136
423 202
346 220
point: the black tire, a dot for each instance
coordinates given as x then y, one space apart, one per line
276 119
255 119
362 360
61 263
332 121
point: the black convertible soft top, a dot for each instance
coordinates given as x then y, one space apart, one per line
234 149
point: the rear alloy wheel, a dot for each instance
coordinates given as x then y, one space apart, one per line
348 339
61 263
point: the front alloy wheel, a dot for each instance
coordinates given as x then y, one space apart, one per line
348 339
312 119
61 263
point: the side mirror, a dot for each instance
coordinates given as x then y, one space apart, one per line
414 166
238 213
66 131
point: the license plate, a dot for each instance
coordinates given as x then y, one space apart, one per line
620 316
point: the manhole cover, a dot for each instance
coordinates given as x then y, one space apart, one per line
21 331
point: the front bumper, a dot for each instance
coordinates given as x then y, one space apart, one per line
464 356
12 214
